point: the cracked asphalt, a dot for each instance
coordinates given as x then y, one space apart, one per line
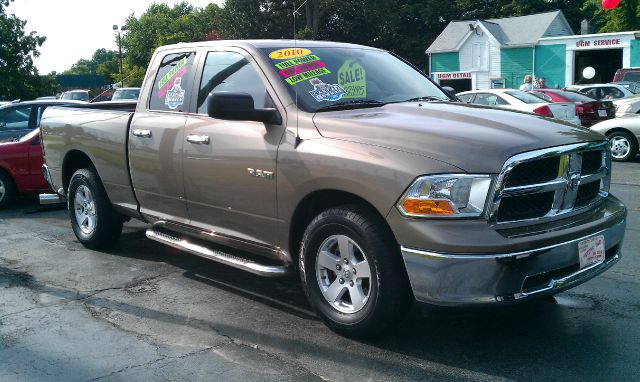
142 311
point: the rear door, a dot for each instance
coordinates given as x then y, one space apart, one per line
156 136
230 166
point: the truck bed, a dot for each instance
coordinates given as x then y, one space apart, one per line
98 130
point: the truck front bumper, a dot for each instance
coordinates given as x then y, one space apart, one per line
467 279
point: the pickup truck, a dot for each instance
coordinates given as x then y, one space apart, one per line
346 164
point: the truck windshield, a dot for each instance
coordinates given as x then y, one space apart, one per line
326 79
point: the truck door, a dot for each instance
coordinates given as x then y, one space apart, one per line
230 166
156 135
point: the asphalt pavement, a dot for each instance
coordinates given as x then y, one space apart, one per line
142 311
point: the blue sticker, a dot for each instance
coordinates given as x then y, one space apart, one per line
175 95
326 92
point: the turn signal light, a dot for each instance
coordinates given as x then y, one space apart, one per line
427 207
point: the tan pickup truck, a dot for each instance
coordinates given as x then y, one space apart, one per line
345 164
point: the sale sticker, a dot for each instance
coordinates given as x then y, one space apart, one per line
297 61
287 53
591 251
353 78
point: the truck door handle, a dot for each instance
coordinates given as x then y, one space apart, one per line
198 139
143 133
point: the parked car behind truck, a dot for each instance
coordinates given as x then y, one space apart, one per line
346 165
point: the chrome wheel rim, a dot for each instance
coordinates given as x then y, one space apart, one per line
2 189
620 147
85 210
343 274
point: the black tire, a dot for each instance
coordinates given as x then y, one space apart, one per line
632 142
108 223
7 189
389 292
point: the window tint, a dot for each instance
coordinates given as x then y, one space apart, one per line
231 72
172 82
543 96
13 118
632 76
526 97
611 93
489 99
466 98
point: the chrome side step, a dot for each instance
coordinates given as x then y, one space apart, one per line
50 199
219 256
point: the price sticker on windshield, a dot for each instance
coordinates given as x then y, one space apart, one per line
287 53
591 251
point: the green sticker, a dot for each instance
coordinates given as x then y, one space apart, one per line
307 75
353 79
297 61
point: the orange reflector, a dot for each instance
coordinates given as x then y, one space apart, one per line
427 207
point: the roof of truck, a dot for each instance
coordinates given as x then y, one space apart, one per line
275 43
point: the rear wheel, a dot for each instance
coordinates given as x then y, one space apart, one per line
7 189
624 146
353 273
94 221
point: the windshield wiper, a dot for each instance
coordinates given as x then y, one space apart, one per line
355 104
425 98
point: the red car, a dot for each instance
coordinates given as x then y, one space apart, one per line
21 167
589 110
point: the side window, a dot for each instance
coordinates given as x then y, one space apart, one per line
483 99
172 82
611 93
466 98
593 92
13 118
501 101
232 72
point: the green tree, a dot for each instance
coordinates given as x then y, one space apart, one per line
20 78
625 17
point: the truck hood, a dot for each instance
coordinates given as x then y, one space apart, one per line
474 139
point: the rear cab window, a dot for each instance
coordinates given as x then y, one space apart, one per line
173 82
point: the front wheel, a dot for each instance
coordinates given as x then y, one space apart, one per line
94 221
7 189
624 146
353 273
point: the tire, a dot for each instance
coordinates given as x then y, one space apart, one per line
94 221
624 146
7 189
357 306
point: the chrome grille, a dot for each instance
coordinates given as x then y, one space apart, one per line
549 184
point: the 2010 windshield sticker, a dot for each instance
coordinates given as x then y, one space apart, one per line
287 53
179 70
175 95
352 77
326 92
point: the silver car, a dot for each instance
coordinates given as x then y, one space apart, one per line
623 134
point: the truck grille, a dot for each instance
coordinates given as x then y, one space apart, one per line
548 184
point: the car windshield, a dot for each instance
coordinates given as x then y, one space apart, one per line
575 97
325 79
526 97
76 96
126 94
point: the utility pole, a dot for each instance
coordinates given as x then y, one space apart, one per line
119 32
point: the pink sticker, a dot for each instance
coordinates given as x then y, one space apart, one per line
163 90
286 73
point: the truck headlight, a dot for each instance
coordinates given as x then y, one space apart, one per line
449 196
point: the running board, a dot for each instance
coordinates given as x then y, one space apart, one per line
219 256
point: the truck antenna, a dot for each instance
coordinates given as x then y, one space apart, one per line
295 48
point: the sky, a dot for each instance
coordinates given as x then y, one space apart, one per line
76 28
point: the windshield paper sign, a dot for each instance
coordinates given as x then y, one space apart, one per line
352 77
326 92
175 95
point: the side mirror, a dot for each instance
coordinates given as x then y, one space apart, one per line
450 91
239 107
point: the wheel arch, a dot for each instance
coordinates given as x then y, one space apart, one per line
73 161
623 130
316 202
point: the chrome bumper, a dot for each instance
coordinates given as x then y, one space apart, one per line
477 279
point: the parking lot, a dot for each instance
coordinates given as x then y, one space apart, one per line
142 311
